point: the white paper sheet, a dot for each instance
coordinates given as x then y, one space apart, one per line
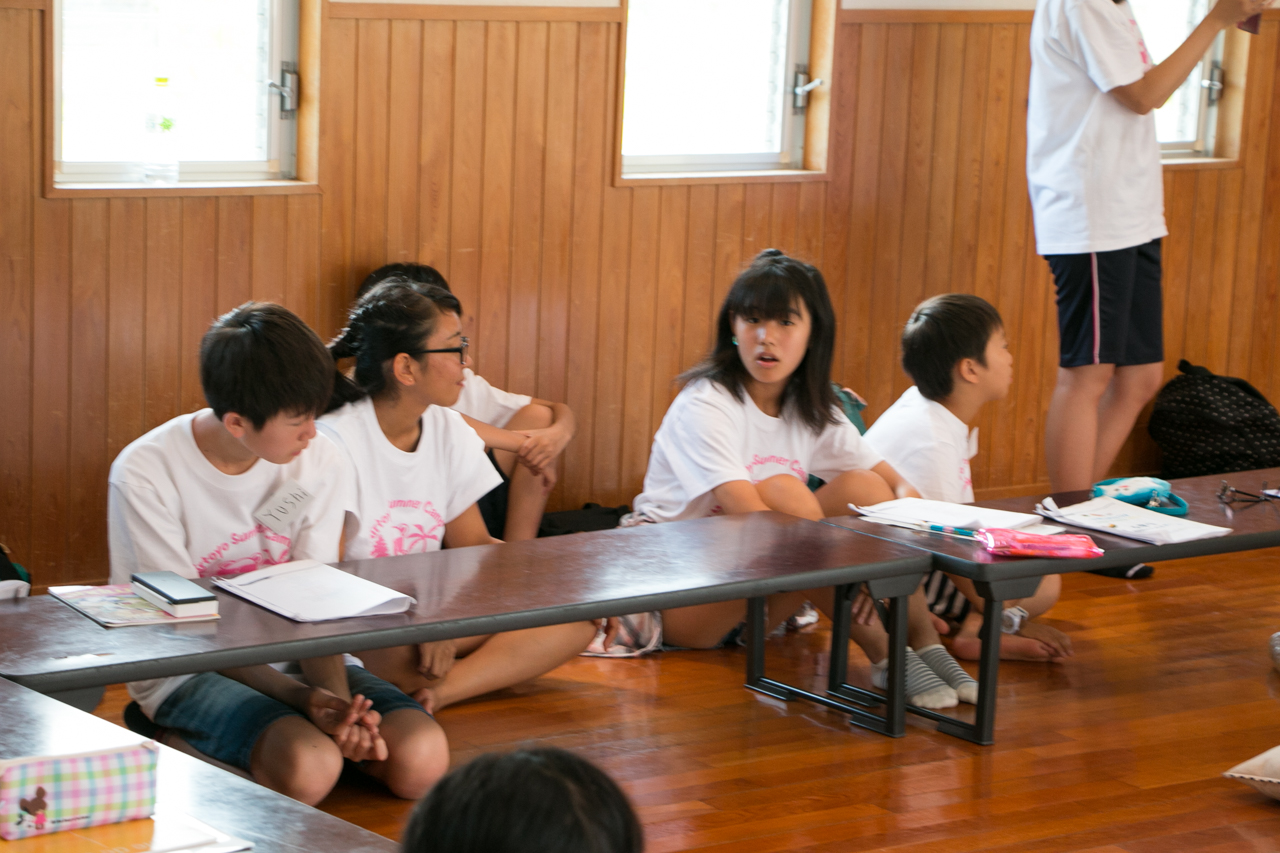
310 591
1118 518
917 512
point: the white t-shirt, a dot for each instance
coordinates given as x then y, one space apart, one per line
404 500
928 445
708 438
169 508
487 404
1093 165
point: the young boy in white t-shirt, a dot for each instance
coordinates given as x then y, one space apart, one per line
513 509
1097 195
955 350
185 498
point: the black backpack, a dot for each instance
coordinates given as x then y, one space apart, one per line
1210 424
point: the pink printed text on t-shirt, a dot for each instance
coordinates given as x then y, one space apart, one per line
227 560
792 466
397 532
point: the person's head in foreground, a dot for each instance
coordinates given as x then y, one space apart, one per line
528 801
416 273
956 342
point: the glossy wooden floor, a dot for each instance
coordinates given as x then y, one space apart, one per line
1118 750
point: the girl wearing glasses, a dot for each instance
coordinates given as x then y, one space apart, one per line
755 418
419 470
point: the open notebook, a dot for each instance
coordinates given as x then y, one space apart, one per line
920 514
310 591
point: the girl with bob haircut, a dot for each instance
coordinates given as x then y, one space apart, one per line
755 418
419 469
529 801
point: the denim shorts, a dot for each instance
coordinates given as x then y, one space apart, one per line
223 718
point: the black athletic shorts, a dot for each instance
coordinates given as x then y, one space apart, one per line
493 505
1109 306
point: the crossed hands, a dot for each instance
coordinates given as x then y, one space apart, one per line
352 725
539 451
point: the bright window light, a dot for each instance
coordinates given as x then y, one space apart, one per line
1165 25
708 78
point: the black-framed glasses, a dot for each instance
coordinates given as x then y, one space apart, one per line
1229 494
460 350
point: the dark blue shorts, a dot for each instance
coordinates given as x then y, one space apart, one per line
224 719
1109 306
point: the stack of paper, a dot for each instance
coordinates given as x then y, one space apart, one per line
310 591
922 515
1118 518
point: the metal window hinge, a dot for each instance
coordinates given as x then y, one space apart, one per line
803 87
287 88
1214 82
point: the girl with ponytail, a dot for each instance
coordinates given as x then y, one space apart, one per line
419 469
755 418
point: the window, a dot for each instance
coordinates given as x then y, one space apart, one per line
709 85
161 91
1186 125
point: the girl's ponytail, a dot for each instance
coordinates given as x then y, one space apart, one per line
345 390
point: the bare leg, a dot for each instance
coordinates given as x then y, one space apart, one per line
296 759
417 754
527 493
1130 389
1042 642
1071 429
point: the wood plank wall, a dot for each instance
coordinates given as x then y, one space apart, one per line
483 147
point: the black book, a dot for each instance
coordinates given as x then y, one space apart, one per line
174 594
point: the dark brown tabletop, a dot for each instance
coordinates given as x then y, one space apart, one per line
1252 526
32 724
46 645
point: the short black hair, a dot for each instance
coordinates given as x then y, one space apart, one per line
942 332
769 289
419 273
259 360
542 800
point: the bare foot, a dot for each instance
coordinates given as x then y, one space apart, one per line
1042 644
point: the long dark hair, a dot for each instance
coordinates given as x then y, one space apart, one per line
529 801
394 317
769 289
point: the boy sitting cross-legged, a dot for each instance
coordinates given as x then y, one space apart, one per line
183 498
955 350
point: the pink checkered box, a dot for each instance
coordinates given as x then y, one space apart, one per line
44 794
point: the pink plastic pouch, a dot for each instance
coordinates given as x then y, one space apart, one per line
1015 543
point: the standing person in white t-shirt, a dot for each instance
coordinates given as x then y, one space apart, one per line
1093 168
419 471
757 416
513 509
954 348
186 497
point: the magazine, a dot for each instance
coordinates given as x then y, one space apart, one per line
117 605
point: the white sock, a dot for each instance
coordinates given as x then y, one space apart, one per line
938 659
924 688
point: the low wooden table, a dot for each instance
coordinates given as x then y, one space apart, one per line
999 579
47 646
32 724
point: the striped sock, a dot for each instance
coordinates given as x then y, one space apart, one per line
924 688
941 662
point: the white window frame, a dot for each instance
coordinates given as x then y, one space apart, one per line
1207 130
791 157
282 129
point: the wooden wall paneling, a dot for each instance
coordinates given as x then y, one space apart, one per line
592 164
1195 337
835 220
730 216
235 252
1221 284
126 331
19 179
1049 365
968 202
1254 137
302 259
468 167
946 138
699 314
199 292
337 170
50 398
784 217
757 213
1035 355
522 331
87 421
1262 362
885 253
862 214
810 205
642 339
435 146
373 108
668 319
163 309
270 233
404 131
611 341
1180 208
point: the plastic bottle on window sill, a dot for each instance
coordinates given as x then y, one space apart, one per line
160 165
